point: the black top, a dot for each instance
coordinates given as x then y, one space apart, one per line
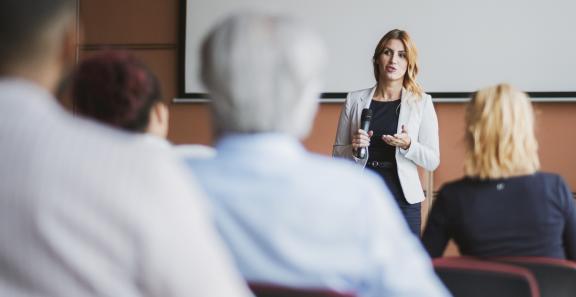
384 121
531 215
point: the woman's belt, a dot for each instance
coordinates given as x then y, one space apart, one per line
381 164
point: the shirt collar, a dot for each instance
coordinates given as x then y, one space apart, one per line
260 144
21 88
154 140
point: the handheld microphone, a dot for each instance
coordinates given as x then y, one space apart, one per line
364 125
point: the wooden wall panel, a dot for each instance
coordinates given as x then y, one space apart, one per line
555 123
190 123
323 132
451 128
149 29
556 132
193 124
161 62
130 21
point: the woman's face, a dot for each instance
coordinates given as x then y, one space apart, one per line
392 62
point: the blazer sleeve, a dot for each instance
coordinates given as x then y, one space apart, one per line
342 147
425 151
437 232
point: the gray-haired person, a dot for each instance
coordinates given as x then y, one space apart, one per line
290 217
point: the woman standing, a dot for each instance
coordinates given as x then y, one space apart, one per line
403 131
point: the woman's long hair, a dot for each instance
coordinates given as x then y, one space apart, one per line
409 82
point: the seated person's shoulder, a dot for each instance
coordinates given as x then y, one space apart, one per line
548 176
549 179
461 184
456 190
105 152
358 94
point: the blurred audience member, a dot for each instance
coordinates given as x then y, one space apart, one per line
290 217
503 206
83 212
117 89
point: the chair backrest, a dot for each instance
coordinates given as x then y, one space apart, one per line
555 277
269 290
466 277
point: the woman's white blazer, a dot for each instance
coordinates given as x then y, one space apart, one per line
421 122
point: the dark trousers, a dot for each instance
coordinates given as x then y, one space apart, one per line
413 215
412 212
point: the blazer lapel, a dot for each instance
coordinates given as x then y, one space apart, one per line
405 110
364 102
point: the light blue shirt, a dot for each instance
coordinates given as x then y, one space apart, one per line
298 219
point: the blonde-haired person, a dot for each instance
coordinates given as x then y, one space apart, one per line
503 206
403 132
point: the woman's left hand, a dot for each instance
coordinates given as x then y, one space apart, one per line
401 140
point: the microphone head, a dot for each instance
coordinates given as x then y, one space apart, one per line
366 114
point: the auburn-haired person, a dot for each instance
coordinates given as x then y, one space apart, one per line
117 89
503 206
403 132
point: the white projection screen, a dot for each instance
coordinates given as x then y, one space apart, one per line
463 45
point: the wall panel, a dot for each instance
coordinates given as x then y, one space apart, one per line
149 29
130 21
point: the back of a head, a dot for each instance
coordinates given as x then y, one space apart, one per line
116 89
500 139
26 26
263 74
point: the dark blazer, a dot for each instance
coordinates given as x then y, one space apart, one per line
531 215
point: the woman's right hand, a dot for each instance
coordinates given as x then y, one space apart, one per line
361 139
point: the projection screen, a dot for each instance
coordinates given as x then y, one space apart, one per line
463 45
